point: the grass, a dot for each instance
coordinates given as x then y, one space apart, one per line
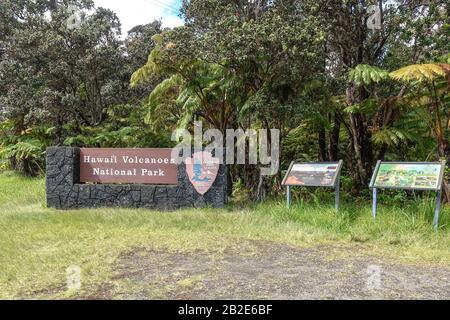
38 244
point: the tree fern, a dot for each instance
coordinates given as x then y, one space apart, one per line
153 65
420 72
391 137
27 152
162 102
365 74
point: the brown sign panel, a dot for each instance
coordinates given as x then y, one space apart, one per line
128 166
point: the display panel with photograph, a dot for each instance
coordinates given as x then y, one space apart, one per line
313 174
418 176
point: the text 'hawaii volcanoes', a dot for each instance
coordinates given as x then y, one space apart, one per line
140 166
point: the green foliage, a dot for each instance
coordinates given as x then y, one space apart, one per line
152 67
300 144
429 89
365 74
368 106
420 72
68 80
29 152
23 152
123 128
291 65
163 108
392 137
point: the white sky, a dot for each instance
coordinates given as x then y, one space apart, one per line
135 12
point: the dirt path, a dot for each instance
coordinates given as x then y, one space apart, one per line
261 270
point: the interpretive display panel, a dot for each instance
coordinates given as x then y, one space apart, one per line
418 176
312 174
425 176
322 174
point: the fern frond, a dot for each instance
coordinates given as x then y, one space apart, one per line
30 149
366 74
162 98
420 72
391 137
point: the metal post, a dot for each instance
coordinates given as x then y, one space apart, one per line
437 211
337 194
289 200
374 203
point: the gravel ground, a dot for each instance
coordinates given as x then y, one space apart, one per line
261 270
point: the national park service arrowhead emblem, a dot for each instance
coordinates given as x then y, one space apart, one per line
202 170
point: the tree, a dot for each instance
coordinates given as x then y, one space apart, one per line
138 45
58 74
238 64
406 26
429 88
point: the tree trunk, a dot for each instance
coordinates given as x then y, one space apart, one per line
444 152
361 139
261 190
333 152
362 148
323 155
59 129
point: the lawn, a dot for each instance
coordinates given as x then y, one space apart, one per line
38 244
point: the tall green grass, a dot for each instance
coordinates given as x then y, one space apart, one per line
37 244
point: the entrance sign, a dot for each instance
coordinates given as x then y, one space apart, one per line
202 170
132 166
133 178
325 174
425 176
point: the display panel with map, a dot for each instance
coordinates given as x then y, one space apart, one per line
313 174
416 176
